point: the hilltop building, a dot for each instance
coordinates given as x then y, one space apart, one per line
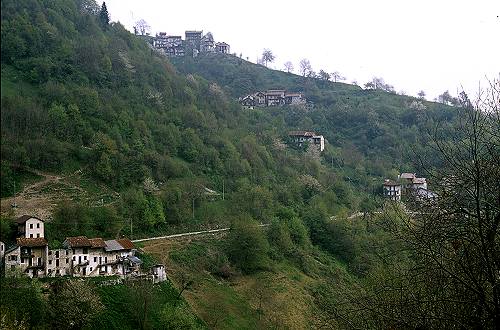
301 137
271 98
193 44
79 257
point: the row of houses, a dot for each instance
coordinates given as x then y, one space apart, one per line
79 256
272 97
195 42
407 183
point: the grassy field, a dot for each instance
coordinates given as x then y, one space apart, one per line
280 297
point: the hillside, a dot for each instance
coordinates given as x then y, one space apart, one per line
104 137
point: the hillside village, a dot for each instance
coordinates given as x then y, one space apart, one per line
195 42
79 256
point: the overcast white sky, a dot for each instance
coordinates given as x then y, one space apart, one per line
434 45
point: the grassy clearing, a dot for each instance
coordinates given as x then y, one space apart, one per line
280 297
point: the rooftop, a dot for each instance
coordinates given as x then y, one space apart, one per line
22 219
301 133
31 242
408 175
78 241
97 242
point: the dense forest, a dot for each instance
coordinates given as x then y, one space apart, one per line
80 93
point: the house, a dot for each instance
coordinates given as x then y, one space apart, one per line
275 97
30 227
207 44
28 256
294 99
159 273
392 190
193 39
222 47
300 137
419 183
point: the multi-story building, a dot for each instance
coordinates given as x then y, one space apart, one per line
392 190
193 39
79 257
301 137
28 256
30 227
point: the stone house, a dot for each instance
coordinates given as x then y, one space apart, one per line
28 256
222 47
30 227
193 39
392 190
300 137
207 44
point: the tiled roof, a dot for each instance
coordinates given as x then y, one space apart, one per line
301 133
97 242
391 183
407 175
126 243
113 245
24 218
78 241
31 242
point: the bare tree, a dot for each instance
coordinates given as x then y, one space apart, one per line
305 67
421 95
289 66
142 27
336 76
267 56
323 75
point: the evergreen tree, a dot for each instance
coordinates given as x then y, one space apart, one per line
104 16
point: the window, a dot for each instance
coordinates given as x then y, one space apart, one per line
50 252
31 226
67 260
95 259
90 268
57 263
57 254
38 235
50 262
37 225
105 259
84 257
74 258
58 272
85 250
31 235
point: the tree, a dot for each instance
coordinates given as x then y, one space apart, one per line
73 304
323 75
337 76
247 246
447 99
104 16
267 56
421 95
305 67
450 279
379 83
288 66
142 27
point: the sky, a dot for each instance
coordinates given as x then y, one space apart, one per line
429 45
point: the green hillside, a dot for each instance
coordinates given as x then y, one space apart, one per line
138 145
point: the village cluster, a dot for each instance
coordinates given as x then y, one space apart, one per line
79 257
272 97
409 184
195 42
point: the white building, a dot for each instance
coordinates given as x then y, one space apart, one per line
30 227
392 190
300 137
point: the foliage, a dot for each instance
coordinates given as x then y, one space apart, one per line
247 246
